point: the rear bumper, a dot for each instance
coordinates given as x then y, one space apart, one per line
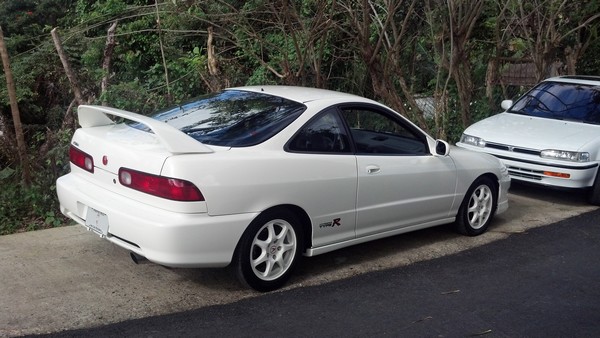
164 237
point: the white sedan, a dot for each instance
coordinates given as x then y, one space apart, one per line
256 177
550 136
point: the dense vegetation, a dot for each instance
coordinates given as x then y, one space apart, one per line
456 53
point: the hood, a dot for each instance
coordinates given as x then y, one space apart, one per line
534 132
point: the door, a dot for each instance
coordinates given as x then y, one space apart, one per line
324 143
400 182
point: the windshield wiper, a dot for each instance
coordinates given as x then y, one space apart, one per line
518 112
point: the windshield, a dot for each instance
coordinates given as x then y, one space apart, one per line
561 101
231 118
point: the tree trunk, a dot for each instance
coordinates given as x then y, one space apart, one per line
108 52
67 66
212 80
162 53
69 119
462 16
16 115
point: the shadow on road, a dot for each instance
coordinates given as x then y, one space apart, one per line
574 197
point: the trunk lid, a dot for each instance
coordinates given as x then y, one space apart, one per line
113 146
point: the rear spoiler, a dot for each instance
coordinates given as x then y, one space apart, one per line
174 140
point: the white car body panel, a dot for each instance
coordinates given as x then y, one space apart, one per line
537 133
399 191
344 204
285 179
173 140
165 237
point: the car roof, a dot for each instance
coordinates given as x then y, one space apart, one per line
303 94
582 79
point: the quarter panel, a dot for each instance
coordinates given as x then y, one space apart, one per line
247 180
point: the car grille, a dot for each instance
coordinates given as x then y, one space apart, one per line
512 149
517 172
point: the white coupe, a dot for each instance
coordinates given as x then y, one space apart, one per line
256 177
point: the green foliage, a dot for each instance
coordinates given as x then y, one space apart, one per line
297 42
35 206
30 208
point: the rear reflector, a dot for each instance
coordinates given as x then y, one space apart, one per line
81 159
164 187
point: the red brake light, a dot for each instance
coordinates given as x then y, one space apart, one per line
81 159
165 187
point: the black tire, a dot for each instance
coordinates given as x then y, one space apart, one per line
269 250
478 208
594 193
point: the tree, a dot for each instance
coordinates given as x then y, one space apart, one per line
16 115
453 28
555 33
381 33
284 41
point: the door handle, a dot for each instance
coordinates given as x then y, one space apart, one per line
373 169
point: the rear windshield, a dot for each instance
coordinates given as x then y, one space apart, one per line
232 118
561 101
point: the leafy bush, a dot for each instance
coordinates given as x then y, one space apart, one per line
34 207
29 208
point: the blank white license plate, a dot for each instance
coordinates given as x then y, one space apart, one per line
97 222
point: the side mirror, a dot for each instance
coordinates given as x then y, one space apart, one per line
506 104
442 148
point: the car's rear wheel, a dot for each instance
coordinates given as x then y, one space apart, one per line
594 194
269 250
478 207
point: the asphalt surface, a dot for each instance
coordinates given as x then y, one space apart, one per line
541 283
68 278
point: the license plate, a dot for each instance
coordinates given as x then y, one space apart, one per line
97 222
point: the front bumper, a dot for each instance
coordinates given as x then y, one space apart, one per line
164 237
503 186
536 170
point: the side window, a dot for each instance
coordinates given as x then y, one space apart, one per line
374 132
325 134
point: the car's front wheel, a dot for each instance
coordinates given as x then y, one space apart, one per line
478 207
269 250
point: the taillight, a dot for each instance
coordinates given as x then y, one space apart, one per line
165 187
81 159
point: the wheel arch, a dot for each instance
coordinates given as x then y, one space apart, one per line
302 217
492 177
495 181
304 220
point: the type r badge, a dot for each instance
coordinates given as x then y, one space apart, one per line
335 222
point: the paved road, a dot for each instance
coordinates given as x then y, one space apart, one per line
541 283
67 278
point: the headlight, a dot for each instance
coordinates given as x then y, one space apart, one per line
472 140
564 155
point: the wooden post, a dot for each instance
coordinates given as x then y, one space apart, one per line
16 115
